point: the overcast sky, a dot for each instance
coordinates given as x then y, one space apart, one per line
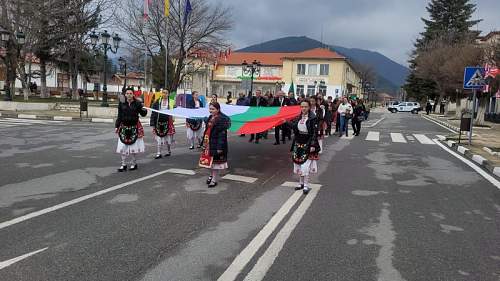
386 26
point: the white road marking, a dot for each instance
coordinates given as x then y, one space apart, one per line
423 139
239 178
398 137
376 123
441 138
63 118
10 262
75 201
347 138
251 249
485 175
181 172
295 184
26 116
102 120
410 138
373 136
265 262
430 120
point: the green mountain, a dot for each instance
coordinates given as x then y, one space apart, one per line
390 75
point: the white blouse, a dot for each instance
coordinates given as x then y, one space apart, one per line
302 126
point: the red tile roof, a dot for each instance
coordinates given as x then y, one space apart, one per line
276 59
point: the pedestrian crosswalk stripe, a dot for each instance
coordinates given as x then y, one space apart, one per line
181 172
373 136
398 137
423 139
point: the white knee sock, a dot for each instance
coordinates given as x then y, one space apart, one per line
301 181
214 175
306 181
124 159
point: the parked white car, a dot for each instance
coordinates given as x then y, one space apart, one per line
413 107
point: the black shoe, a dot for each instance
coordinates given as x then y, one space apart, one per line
209 180
250 140
276 143
191 147
212 184
306 190
168 154
158 156
243 135
300 187
133 167
256 142
283 141
122 168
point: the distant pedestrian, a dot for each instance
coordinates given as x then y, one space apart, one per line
357 117
129 129
215 145
428 107
292 99
194 127
305 147
345 110
257 101
280 101
242 100
213 98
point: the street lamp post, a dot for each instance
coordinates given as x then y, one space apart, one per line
253 70
105 46
20 40
123 67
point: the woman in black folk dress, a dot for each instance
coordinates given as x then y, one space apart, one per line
305 147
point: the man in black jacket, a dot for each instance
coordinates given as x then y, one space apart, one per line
258 100
280 101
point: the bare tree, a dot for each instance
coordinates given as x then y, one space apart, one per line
203 30
444 63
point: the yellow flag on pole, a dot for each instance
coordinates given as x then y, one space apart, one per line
167 8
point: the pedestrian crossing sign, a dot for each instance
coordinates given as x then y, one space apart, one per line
474 78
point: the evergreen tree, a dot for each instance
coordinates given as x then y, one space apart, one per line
449 20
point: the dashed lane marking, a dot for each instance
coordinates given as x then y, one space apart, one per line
181 172
239 178
295 184
10 262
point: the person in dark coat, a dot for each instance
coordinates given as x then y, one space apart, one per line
357 117
215 145
242 100
280 101
257 101
163 126
129 129
292 99
305 146
194 126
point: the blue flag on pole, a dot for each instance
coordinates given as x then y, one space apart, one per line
187 11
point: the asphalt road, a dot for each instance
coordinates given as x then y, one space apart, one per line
386 207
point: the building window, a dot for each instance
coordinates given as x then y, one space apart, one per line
301 69
322 89
324 69
311 90
300 90
312 69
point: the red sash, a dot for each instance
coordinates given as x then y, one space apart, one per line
205 159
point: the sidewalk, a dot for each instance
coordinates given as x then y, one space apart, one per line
485 148
59 115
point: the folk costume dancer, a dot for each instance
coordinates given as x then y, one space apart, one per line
163 126
129 129
215 146
305 147
194 126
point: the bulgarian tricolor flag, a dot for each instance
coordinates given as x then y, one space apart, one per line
244 119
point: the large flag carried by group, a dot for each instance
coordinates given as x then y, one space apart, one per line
244 119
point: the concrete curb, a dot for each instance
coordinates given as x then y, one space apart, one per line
444 123
476 158
491 152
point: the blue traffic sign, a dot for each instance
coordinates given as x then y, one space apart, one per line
474 78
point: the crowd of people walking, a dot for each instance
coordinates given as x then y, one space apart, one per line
319 116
